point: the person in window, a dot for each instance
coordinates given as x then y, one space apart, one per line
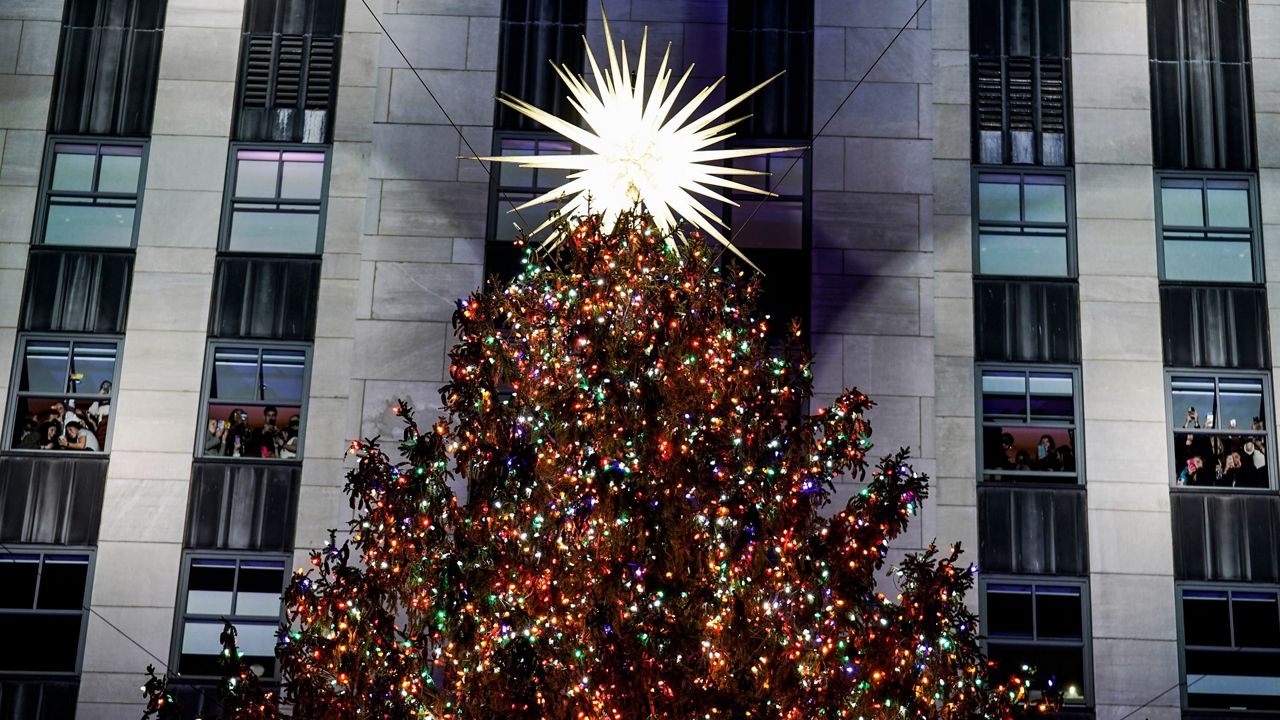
214 436
1233 471
290 447
1190 474
1065 458
1193 419
75 438
49 434
1256 460
1009 460
1022 461
266 441
236 440
1046 456
98 411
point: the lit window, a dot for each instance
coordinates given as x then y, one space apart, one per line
1039 624
1207 229
1029 425
1231 646
275 201
91 193
1219 430
1024 224
244 590
63 394
42 610
255 398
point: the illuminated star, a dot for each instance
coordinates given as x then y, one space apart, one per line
637 150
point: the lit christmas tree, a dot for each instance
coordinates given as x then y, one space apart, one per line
647 531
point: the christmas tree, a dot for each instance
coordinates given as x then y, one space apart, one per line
647 529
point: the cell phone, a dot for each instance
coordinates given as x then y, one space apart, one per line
1191 465
222 424
1041 451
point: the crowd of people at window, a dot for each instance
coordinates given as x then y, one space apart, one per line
236 436
63 426
1046 455
1215 459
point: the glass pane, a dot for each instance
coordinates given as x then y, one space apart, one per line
200 637
73 168
998 201
1208 260
1004 394
119 174
510 174
235 374
257 640
1193 403
1205 618
1228 208
1051 396
256 178
1009 611
1058 613
303 179
777 224
283 375
62 583
279 232
1257 619
1045 202
46 368
787 180
1212 460
259 590
89 225
1059 668
1032 255
1240 402
18 576
1028 448
1182 206
1230 679
93 366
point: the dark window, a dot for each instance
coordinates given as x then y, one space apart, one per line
267 298
1219 430
255 401
1201 85
108 62
513 186
90 194
1214 326
1021 68
51 499
767 38
1225 536
1231 648
1026 321
1030 429
1041 624
275 200
63 393
1032 530
1024 224
1208 229
43 609
80 291
533 35
245 590
38 699
242 506
289 71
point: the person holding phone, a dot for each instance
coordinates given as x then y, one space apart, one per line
214 436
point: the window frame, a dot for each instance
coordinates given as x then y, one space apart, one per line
1255 222
229 199
1179 588
1171 414
1086 623
180 605
1034 478
46 189
502 198
13 395
43 551
1067 174
211 346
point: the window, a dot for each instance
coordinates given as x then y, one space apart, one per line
1201 85
288 71
1021 69
1041 624
1219 426
1231 647
256 400
64 388
91 192
551 29
42 609
766 38
108 62
1024 224
513 186
1207 229
245 590
1029 424
275 201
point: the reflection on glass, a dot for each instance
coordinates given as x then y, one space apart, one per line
45 369
1182 206
235 374
274 231
998 201
73 168
303 180
1045 202
1208 260
256 178
1022 255
1004 394
89 225
1051 395
119 173
1228 207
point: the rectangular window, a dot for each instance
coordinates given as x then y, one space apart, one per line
43 609
108 62
243 589
1021 65
766 38
63 393
1208 229
1201 85
1219 426
1030 424
513 186
288 71
275 200
90 193
1024 224
1231 647
255 401
552 32
1042 624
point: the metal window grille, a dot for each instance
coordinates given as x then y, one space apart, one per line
766 38
533 35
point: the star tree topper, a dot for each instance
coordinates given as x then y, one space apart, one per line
637 150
